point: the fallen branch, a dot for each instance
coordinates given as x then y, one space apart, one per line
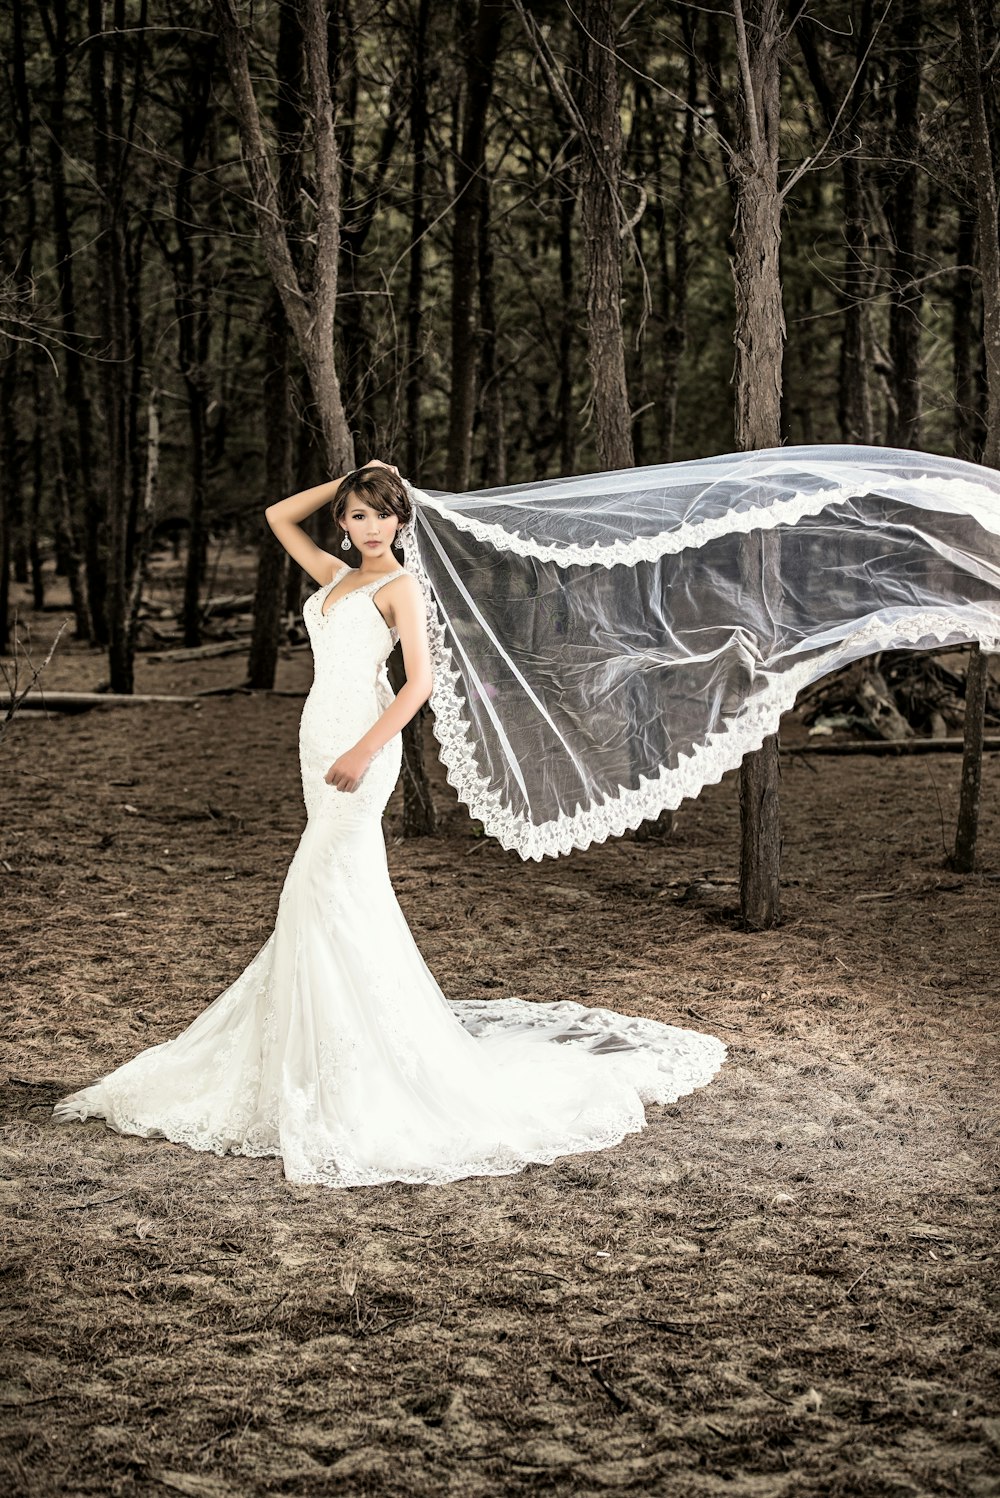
80 702
889 746
229 603
199 652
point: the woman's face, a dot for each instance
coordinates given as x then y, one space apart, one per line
371 529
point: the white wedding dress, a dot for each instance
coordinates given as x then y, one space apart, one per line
336 1050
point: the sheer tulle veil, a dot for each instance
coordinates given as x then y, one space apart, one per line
606 645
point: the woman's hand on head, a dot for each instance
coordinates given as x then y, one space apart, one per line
346 771
377 463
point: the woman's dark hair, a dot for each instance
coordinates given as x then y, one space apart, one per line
376 487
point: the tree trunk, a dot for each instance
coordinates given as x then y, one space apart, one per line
413 363
10 480
675 332
75 437
601 216
481 49
495 438
272 560
110 152
275 578
567 321
984 175
964 339
189 263
854 413
759 339
903 206
310 314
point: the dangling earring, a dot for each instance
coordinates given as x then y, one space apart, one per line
345 545
397 541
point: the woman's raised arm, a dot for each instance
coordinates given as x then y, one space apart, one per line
285 519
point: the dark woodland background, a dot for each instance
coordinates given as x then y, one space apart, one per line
247 246
491 171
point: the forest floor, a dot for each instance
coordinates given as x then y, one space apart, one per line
786 1285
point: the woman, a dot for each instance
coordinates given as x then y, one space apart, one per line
335 1049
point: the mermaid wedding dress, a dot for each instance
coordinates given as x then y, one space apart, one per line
336 1050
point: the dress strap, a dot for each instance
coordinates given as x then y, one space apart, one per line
379 582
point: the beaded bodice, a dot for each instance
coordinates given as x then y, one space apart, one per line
352 634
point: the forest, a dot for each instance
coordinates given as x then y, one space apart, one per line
493 242
250 245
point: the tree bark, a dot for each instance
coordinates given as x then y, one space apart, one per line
495 437
601 217
272 559
9 482
470 165
759 339
854 411
360 374
903 208
965 338
567 320
984 175
111 151
310 314
78 492
418 228
275 578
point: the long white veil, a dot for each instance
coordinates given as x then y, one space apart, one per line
604 646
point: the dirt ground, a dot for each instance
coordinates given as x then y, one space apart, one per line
786 1285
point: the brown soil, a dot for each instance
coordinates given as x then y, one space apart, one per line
785 1285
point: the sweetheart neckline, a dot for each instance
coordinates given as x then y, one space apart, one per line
390 629
327 588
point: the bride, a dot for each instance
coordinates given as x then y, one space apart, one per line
335 1049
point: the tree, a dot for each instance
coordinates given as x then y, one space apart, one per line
310 308
482 24
751 142
984 168
189 258
599 114
273 571
842 105
902 209
114 55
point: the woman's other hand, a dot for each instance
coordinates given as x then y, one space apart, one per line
345 773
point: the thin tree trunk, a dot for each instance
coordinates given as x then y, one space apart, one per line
310 314
470 165
75 438
272 560
413 364
276 580
567 321
984 174
903 207
964 339
854 412
495 437
107 109
675 333
759 338
600 212
189 266
10 480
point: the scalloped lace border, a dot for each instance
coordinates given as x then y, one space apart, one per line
705 765
976 499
